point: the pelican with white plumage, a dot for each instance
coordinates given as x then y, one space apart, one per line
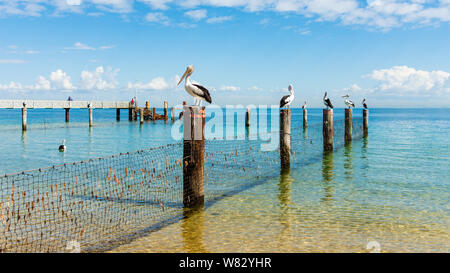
327 101
286 100
348 102
194 89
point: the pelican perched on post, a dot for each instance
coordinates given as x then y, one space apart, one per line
348 102
304 105
286 100
327 101
62 147
196 90
364 104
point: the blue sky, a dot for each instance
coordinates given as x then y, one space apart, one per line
392 52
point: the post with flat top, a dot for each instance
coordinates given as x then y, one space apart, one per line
305 118
193 155
365 122
141 115
118 114
285 138
67 114
166 112
24 117
154 114
328 129
172 113
247 118
130 112
90 115
348 125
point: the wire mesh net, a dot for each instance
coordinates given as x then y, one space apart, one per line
102 203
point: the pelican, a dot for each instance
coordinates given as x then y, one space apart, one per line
364 104
196 90
62 147
348 102
286 100
327 101
304 105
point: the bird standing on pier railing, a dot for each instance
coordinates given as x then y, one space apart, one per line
304 105
62 147
364 104
348 102
286 100
327 101
196 90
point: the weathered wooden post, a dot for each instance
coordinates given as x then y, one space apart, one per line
154 114
172 113
193 155
24 117
348 125
365 122
67 114
328 129
247 118
141 115
305 118
166 112
90 115
118 114
130 112
285 138
147 105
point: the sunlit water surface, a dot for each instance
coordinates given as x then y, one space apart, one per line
391 189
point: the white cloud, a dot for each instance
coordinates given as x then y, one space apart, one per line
157 17
196 15
404 79
220 19
12 61
81 46
229 88
60 80
158 83
100 79
157 4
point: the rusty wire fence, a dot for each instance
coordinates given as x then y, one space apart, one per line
105 202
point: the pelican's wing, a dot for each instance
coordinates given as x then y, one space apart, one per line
204 93
284 100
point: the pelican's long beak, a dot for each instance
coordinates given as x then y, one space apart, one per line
182 78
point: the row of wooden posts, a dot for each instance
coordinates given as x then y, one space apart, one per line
133 112
194 145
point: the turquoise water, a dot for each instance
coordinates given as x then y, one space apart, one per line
391 188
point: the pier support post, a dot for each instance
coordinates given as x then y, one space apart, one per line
90 116
24 118
193 155
247 118
130 114
166 112
285 138
305 118
328 129
67 114
154 113
348 125
118 114
365 122
141 115
147 105
172 113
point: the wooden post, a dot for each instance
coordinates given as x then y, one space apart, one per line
305 118
154 114
285 138
247 118
193 155
90 116
166 113
141 115
365 122
67 114
328 129
24 117
130 113
172 113
118 114
147 105
348 125
135 114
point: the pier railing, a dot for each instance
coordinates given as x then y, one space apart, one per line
101 203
